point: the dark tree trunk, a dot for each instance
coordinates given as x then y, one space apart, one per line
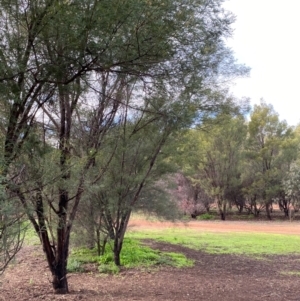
284 206
91 229
119 237
98 242
59 278
286 212
222 209
268 211
56 257
118 243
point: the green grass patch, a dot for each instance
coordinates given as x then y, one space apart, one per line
74 266
252 244
291 273
84 255
205 217
31 238
133 255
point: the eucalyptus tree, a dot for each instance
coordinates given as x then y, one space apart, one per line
219 157
270 150
58 58
291 189
211 156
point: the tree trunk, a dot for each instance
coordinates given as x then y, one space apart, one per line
59 282
256 210
118 243
268 211
119 237
98 242
291 213
222 209
91 229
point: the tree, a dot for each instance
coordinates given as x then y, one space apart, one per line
221 164
214 157
59 58
190 197
269 152
291 190
132 167
12 229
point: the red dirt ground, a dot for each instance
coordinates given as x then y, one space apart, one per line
213 278
224 226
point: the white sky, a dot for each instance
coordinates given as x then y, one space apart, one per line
267 39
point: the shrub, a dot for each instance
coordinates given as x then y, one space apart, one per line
205 216
74 266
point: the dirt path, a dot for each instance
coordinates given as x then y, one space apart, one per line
213 278
227 226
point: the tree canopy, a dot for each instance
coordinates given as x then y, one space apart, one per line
91 91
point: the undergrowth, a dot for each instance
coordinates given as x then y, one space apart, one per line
133 255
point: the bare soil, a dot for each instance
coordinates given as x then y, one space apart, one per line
214 277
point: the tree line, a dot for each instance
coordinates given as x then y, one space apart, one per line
251 163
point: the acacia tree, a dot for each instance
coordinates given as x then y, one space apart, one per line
133 180
136 147
55 52
11 229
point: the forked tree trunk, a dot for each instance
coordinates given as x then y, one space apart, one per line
57 256
119 237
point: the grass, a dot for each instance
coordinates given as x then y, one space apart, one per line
133 255
31 238
291 273
251 244
205 216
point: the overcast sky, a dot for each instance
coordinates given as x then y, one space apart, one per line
267 39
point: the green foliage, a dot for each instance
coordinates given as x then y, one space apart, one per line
133 255
74 266
109 268
12 228
291 273
136 255
31 238
83 84
84 255
212 158
269 152
205 216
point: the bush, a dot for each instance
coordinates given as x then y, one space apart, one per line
74 266
205 216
